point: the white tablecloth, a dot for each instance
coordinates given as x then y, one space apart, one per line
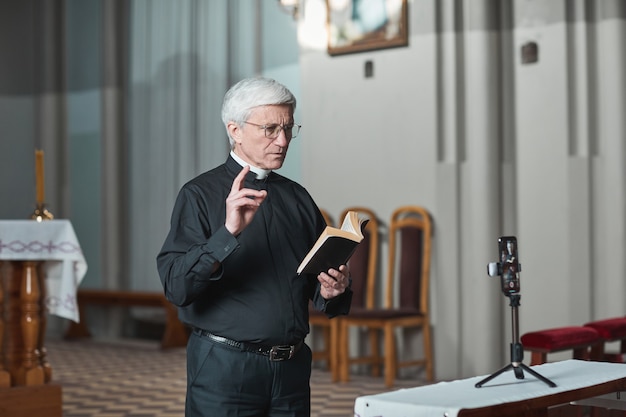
448 398
55 244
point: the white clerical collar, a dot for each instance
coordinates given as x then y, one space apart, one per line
260 172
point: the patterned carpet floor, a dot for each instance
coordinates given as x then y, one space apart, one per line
135 378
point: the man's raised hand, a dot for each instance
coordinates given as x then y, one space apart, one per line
242 204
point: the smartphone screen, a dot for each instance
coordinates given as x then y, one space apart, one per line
509 261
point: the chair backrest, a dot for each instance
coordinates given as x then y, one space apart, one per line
410 234
364 262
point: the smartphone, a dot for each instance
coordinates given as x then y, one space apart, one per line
509 262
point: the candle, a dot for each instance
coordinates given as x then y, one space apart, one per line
39 175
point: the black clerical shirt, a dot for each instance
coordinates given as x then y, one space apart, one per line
256 295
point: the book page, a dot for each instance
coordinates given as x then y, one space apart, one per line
349 223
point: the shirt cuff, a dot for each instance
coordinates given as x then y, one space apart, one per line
221 244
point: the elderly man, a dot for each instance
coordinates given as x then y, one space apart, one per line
238 233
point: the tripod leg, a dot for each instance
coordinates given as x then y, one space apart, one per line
492 376
538 375
517 351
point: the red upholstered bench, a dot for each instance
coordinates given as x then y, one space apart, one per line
611 330
585 342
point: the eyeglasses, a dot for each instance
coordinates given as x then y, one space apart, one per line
273 131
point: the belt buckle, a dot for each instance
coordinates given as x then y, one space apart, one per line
281 353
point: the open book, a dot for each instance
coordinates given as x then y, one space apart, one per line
334 246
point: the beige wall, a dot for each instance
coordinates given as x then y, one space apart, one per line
455 122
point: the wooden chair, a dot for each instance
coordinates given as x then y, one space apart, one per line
363 265
410 233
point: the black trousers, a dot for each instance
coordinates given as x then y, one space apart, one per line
223 381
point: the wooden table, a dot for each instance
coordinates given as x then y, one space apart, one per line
504 396
41 266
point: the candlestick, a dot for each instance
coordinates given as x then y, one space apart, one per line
41 212
39 176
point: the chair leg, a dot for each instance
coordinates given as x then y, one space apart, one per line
391 360
375 352
344 352
596 352
327 341
334 360
537 358
428 352
581 353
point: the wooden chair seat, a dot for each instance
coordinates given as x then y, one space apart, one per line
383 314
585 342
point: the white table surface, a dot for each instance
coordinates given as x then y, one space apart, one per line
53 242
448 398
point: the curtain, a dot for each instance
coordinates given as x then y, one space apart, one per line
178 76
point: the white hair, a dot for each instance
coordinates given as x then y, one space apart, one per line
249 93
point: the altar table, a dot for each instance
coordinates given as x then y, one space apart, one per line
502 396
41 267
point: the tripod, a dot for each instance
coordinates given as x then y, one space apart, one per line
517 351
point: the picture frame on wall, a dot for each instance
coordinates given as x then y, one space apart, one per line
366 25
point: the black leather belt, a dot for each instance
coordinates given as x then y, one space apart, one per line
275 353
